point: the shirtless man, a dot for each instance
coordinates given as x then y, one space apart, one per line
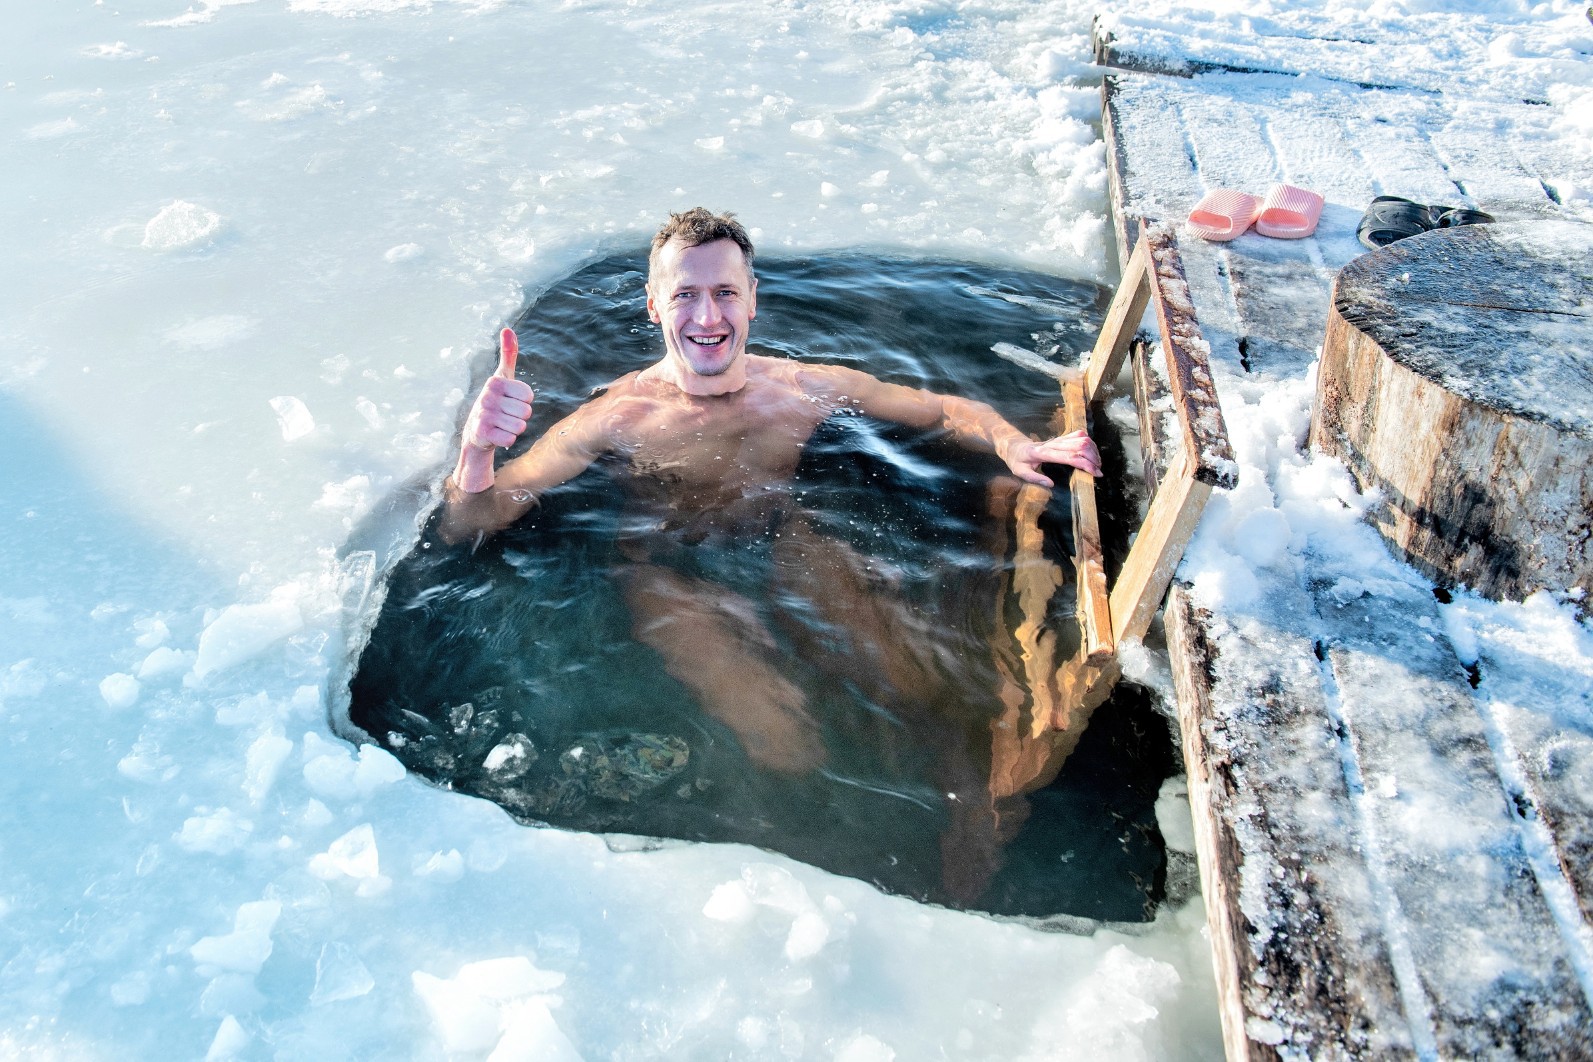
714 435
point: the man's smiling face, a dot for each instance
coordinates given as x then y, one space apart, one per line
704 297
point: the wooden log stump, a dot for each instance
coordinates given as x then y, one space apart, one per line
1457 381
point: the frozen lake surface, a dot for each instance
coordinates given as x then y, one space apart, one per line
254 252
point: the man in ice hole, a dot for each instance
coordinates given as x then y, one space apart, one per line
713 436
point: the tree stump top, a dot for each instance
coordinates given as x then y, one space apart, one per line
1500 315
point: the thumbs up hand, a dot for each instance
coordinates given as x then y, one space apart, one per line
499 416
504 406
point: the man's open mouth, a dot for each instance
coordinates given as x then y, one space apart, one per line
707 341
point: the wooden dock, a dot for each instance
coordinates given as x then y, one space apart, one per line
1396 858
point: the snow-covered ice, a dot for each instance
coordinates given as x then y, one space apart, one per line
254 251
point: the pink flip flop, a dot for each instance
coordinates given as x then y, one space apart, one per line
1223 214
1288 213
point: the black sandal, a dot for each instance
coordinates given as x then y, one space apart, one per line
1463 216
1392 217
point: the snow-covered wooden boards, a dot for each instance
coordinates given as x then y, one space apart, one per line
1245 131
1457 382
1332 44
1394 863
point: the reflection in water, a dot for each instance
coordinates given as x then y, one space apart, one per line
834 667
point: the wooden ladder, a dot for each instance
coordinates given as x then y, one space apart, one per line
1180 472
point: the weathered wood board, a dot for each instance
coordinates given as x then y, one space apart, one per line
1332 45
1263 299
1299 952
1438 827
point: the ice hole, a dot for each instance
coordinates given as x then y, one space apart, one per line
514 671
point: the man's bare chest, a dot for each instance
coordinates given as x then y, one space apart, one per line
712 441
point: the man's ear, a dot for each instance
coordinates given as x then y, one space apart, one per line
652 310
752 299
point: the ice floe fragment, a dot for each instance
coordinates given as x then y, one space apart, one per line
119 691
229 1041
352 855
243 632
497 1005
247 947
293 417
180 224
217 832
339 975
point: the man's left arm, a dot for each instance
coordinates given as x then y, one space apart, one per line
970 423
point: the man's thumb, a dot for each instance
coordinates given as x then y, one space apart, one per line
508 351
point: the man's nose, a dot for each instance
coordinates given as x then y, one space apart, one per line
707 311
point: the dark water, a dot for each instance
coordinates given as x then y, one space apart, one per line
512 671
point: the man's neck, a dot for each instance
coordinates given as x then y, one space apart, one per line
669 370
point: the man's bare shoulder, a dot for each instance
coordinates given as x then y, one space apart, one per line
815 379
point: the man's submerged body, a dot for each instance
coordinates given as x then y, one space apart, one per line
713 436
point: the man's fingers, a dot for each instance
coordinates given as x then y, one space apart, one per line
511 405
502 410
508 422
517 390
508 351
1075 449
500 389
1039 479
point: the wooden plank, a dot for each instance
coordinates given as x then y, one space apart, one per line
1229 137
1207 451
1360 53
1453 858
1298 946
1152 166
1151 171
1095 617
1556 762
1241 138
1125 230
1123 318
1158 424
1390 127
1170 521
1503 173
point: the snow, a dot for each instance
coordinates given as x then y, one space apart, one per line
256 249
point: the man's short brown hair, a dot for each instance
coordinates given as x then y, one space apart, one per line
696 227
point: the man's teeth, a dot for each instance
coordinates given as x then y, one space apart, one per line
707 341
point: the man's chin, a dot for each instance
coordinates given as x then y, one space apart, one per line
710 362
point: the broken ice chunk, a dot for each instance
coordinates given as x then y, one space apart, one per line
293 416
248 946
511 758
119 690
